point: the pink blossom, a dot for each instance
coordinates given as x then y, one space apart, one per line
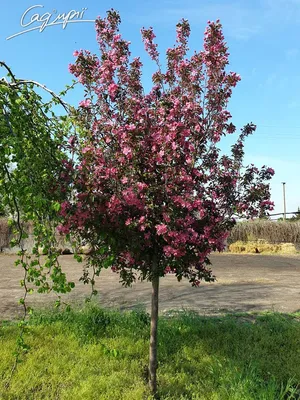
127 151
166 217
71 140
270 171
161 229
168 250
85 103
64 208
268 203
86 149
131 127
63 229
131 198
141 186
113 90
114 205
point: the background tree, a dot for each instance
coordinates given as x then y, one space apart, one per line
293 218
296 217
153 194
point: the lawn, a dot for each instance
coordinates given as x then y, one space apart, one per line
98 354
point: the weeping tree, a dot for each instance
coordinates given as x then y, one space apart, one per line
151 191
33 155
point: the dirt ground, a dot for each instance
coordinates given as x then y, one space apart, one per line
244 283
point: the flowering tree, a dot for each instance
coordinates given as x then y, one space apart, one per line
151 191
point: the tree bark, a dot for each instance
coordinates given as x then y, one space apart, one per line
153 330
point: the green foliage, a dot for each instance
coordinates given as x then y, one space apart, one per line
33 145
98 354
29 152
33 149
3 211
33 152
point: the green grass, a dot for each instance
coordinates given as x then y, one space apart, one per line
97 354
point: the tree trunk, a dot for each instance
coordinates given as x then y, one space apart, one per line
153 331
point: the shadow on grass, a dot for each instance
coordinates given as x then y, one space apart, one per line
237 356
254 350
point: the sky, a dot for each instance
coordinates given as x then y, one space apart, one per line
263 40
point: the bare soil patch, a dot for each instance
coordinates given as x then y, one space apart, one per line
244 283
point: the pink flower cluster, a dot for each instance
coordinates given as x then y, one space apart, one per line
149 178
